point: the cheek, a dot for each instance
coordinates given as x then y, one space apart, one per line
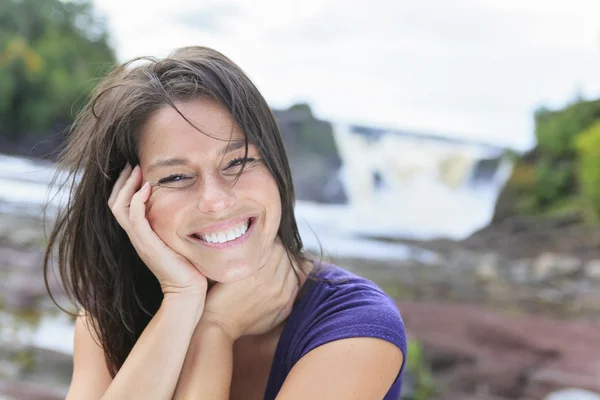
265 191
161 214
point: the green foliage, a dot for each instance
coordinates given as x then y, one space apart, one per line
556 131
562 156
51 51
562 175
523 179
588 163
553 179
416 363
24 359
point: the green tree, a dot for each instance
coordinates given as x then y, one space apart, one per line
562 170
556 131
588 169
557 134
51 53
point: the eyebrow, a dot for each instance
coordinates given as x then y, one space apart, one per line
231 146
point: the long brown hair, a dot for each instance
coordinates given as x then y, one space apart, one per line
98 266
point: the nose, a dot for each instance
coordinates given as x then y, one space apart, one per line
215 195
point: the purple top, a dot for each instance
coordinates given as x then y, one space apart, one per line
342 305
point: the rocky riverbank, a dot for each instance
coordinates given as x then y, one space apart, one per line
512 312
28 370
495 328
506 322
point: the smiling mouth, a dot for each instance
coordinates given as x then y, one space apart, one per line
226 236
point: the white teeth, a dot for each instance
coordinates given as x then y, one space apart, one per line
223 237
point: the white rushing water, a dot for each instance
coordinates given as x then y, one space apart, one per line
53 332
402 184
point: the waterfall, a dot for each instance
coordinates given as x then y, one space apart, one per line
402 183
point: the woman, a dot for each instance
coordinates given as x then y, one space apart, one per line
180 244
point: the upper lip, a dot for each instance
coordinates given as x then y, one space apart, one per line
222 226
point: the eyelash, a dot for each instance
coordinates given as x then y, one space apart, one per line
171 178
239 161
180 177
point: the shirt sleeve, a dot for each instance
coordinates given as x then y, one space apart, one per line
355 312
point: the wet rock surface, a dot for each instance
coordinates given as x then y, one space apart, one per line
496 328
483 354
27 371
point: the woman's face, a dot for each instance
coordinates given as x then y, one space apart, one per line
226 228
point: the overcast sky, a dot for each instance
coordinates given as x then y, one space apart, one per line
466 68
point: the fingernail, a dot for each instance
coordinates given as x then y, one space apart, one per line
136 169
145 185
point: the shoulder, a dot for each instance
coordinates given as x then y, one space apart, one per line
339 304
91 376
333 289
344 329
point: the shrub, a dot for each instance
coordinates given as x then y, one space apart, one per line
588 169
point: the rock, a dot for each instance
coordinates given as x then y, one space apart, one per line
22 283
313 155
22 230
587 302
487 268
550 265
473 349
592 270
409 385
520 271
573 394
27 364
29 391
512 192
21 277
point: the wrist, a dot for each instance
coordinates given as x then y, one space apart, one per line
215 330
197 287
185 303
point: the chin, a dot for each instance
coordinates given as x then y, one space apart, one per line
229 273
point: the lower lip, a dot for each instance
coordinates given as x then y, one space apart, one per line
231 243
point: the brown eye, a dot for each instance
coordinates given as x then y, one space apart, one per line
172 179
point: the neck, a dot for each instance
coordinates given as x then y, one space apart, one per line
279 259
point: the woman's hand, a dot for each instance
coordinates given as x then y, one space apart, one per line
128 204
256 304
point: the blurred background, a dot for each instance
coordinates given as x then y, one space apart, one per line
449 151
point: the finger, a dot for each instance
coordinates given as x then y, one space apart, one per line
123 200
140 227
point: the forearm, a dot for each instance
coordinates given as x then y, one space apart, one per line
208 366
152 368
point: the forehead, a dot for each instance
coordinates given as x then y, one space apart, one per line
168 133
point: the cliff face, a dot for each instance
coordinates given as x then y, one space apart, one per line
35 145
313 155
514 197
